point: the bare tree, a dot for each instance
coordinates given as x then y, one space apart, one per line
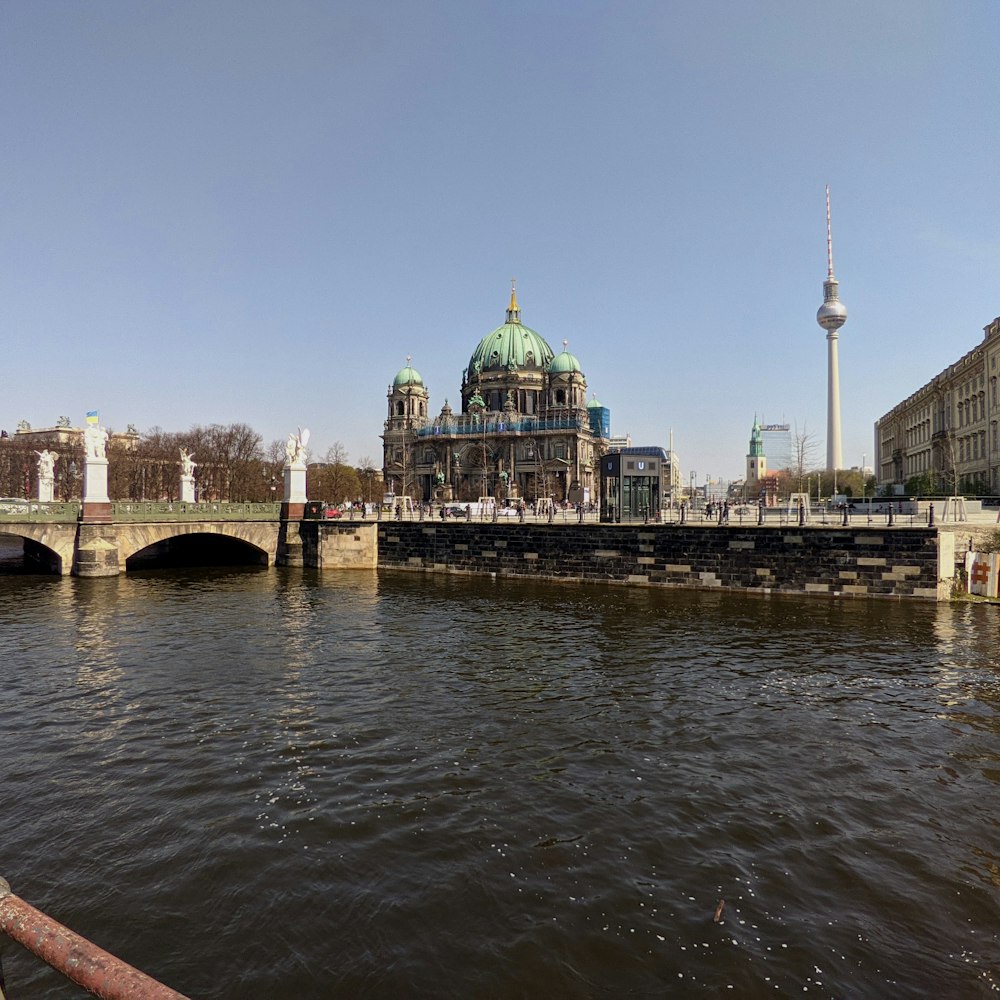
333 479
803 453
366 471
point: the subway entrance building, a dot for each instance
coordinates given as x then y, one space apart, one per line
630 484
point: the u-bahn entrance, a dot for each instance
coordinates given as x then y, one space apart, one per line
630 486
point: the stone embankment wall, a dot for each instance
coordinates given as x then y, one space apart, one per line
867 562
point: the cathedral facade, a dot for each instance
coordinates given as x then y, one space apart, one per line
525 431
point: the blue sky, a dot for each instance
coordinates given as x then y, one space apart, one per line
242 211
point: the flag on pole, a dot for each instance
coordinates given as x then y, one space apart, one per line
92 416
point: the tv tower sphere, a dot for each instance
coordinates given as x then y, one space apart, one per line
832 314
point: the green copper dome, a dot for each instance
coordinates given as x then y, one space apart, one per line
594 404
564 362
511 346
407 376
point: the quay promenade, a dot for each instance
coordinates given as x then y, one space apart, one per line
861 552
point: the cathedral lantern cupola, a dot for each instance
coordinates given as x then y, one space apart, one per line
407 398
567 385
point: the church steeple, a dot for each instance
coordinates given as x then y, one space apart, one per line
756 460
756 440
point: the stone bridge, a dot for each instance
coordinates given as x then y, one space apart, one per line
59 539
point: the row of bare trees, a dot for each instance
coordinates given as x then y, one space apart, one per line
232 463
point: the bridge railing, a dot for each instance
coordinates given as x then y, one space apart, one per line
150 510
39 510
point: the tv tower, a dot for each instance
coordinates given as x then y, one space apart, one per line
832 315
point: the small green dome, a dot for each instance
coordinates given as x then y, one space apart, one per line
564 362
407 376
594 404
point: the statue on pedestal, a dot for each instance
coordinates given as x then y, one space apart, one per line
187 462
46 463
295 447
95 440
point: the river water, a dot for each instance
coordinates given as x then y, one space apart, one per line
276 783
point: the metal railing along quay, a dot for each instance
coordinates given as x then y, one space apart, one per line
80 961
741 516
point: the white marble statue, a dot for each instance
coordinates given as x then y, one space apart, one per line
95 439
46 463
295 447
187 462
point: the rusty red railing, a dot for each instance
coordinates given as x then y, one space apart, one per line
74 956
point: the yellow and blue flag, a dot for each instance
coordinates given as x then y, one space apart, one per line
92 417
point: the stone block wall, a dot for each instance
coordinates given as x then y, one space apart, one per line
339 544
866 562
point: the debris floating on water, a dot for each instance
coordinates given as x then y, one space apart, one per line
718 911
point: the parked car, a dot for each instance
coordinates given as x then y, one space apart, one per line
332 512
454 511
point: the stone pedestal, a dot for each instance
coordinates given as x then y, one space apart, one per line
95 480
295 483
46 489
96 505
187 489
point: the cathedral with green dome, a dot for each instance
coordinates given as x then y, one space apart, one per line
525 432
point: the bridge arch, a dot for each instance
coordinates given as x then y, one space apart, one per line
246 543
47 547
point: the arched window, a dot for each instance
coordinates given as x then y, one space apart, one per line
399 409
560 397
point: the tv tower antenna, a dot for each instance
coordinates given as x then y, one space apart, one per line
829 237
832 315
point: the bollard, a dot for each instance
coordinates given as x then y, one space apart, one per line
83 963
760 513
890 516
683 513
930 516
845 516
802 513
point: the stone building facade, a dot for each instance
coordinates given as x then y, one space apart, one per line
944 437
523 433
